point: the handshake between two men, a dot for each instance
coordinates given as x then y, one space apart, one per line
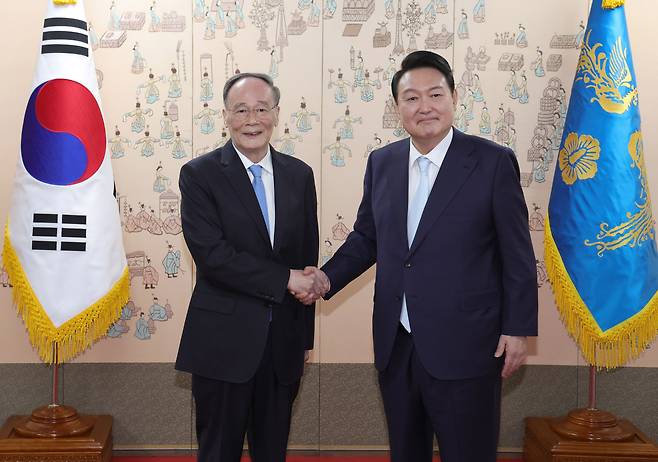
308 285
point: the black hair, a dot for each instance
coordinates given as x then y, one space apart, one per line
276 93
418 59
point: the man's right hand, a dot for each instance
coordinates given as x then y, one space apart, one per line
308 285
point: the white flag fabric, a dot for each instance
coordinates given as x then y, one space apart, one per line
63 245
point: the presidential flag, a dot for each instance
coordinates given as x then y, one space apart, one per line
599 241
62 246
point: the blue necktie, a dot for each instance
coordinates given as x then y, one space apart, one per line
259 189
420 198
416 208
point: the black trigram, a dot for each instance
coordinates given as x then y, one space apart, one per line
47 232
65 35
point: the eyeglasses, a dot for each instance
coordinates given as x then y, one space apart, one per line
242 113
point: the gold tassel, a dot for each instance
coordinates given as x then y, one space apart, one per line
612 4
65 2
612 348
75 335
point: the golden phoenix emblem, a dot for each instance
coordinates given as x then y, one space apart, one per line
608 75
639 225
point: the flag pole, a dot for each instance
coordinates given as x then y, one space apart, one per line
55 377
54 420
592 388
585 433
590 423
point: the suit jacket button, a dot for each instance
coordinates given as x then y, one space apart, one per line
407 265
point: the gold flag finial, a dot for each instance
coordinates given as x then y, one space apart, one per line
65 2
612 4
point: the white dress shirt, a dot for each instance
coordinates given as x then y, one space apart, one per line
268 182
435 156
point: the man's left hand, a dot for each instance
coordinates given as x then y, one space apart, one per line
516 351
321 286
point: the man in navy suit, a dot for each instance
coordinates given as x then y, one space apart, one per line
249 215
444 218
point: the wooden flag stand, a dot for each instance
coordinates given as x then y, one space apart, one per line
586 435
56 432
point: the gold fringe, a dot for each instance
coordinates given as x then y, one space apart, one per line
65 2
609 349
612 4
75 335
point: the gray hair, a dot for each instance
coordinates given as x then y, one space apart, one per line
276 93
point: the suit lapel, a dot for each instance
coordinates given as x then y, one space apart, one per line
237 175
283 192
399 188
455 169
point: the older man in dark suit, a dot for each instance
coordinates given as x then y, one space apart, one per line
249 215
444 218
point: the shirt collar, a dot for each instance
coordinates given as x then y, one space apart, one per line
266 162
436 155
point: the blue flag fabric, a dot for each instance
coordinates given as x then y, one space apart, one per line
600 244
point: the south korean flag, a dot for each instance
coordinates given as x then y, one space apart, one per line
63 245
